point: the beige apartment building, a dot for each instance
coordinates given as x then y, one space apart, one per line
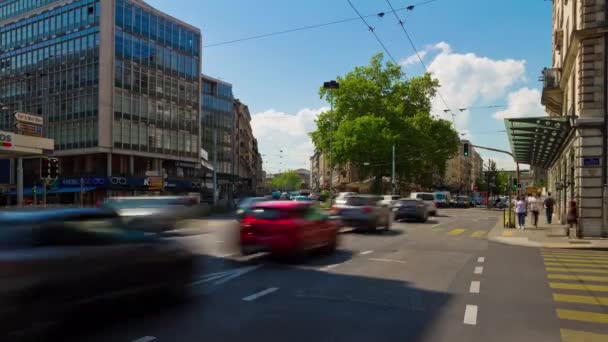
463 172
571 142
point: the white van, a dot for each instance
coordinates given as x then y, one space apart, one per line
429 200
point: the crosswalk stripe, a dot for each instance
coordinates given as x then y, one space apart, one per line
582 287
583 253
574 264
577 277
575 270
591 261
602 259
582 336
507 233
592 300
457 231
478 233
583 316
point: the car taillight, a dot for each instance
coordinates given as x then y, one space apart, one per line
367 209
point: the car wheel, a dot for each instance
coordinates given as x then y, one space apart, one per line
331 246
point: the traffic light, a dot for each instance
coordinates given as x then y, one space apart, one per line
466 150
53 168
45 168
514 183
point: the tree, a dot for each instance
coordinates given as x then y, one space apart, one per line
287 181
376 108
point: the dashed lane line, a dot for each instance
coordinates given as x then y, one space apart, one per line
481 259
470 315
475 287
260 294
366 252
388 260
478 270
145 339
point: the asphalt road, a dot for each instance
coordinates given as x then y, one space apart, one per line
437 281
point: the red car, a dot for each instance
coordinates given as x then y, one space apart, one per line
287 228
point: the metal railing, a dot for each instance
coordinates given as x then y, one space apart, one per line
551 77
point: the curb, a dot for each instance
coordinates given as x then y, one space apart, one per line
495 235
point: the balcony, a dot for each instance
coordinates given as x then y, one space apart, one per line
552 96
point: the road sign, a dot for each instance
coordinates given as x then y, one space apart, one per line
29 118
29 128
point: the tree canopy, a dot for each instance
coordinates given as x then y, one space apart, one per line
287 181
376 107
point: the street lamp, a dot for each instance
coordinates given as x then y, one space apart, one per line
331 86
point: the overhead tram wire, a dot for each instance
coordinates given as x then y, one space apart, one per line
402 24
309 27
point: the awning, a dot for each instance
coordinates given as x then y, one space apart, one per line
536 141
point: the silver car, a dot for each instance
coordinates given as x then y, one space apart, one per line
363 212
411 209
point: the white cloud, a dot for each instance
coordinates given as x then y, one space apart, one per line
413 59
278 131
522 103
466 78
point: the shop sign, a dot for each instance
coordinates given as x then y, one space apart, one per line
591 161
154 183
87 181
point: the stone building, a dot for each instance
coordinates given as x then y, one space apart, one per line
571 141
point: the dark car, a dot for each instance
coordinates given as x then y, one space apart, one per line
53 262
411 209
363 212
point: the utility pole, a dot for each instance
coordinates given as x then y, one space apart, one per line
394 181
20 182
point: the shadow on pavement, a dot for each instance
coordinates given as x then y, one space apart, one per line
311 305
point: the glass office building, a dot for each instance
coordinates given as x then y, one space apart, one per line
116 81
218 115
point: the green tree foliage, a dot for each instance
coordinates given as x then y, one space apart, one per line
376 107
287 181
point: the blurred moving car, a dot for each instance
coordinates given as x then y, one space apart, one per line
246 203
341 197
364 212
429 200
390 200
287 228
302 199
54 261
443 199
463 202
151 213
411 209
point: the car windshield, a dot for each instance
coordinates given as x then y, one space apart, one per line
439 196
407 203
425 197
356 201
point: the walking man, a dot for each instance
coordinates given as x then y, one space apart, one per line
549 203
535 204
520 210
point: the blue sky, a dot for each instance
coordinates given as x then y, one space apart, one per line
483 52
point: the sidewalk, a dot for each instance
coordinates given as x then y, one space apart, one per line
545 236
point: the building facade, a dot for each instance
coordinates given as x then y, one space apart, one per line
571 142
248 161
116 81
217 116
463 172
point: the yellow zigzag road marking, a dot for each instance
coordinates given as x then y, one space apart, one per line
560 297
575 270
582 287
583 316
478 233
582 336
457 231
577 277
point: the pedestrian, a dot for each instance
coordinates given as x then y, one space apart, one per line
521 211
549 203
535 204
572 214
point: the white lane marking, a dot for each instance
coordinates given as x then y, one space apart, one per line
474 288
145 339
260 294
329 267
478 270
388 260
366 252
225 275
481 259
240 272
470 315
435 226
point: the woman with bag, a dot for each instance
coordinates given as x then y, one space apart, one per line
535 205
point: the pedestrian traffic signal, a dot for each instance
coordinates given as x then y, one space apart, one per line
45 168
53 168
466 149
514 183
